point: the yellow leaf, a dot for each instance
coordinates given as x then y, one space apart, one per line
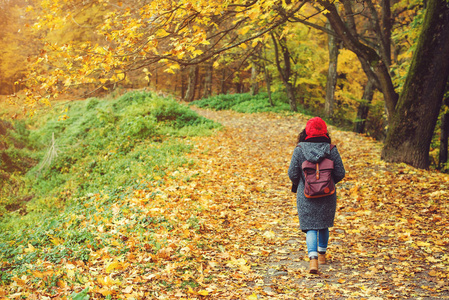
197 52
245 268
423 244
37 274
203 293
105 292
57 241
244 30
107 281
253 296
113 266
269 234
29 249
432 259
70 273
115 243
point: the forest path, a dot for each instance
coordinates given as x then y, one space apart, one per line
390 238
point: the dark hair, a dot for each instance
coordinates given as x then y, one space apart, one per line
302 137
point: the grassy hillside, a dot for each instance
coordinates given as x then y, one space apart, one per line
87 151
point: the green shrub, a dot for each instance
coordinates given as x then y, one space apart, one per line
245 102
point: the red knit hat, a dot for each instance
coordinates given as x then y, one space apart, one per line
316 127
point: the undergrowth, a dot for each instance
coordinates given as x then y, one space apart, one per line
245 103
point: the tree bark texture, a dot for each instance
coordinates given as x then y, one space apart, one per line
363 109
193 78
410 132
333 45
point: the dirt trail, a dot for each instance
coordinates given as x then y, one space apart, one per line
380 248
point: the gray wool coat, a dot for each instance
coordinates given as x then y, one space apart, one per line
317 213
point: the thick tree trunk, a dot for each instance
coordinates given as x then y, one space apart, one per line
362 111
444 134
410 133
333 46
193 77
254 82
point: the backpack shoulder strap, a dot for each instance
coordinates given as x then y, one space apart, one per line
332 146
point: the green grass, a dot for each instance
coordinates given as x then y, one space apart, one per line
245 103
103 151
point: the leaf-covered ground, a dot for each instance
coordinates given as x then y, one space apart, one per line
227 228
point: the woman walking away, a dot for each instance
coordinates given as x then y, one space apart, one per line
316 212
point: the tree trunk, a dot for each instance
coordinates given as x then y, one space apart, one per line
333 45
410 133
285 72
223 81
268 83
362 111
183 83
155 79
193 77
208 80
374 66
254 82
444 134
387 26
267 76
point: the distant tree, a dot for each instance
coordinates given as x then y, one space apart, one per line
284 65
333 46
16 44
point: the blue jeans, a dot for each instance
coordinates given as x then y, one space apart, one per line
317 241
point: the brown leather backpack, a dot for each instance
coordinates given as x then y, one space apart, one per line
318 178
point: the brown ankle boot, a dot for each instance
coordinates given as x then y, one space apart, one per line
313 266
322 259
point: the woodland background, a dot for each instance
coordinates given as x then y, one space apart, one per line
377 68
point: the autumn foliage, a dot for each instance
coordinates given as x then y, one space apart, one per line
139 197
